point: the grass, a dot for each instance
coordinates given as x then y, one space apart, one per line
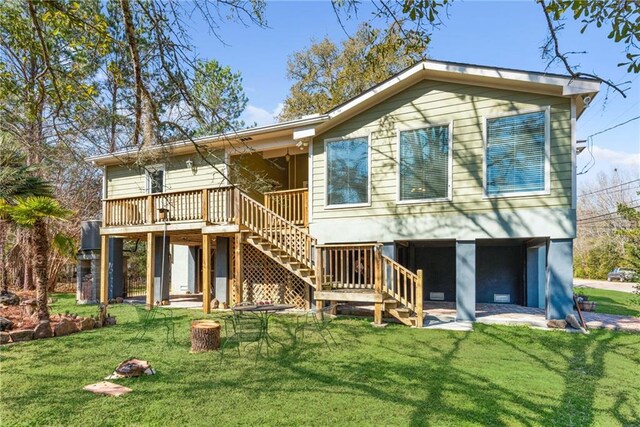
613 302
392 376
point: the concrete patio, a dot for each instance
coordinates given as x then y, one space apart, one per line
442 315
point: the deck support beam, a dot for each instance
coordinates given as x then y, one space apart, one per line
206 273
104 269
378 305
151 260
466 280
237 267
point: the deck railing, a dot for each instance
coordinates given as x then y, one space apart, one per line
293 240
347 266
292 205
403 285
215 205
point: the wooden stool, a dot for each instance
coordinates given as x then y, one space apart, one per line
205 335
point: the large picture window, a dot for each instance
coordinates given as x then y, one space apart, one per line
424 163
348 171
516 154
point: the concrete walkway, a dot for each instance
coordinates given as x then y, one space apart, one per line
442 316
603 284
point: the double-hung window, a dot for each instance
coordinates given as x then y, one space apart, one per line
155 179
517 151
425 162
347 171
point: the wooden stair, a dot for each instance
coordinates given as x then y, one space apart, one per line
391 287
402 314
293 266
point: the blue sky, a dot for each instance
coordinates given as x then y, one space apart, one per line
500 33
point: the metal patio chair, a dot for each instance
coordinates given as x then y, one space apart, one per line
318 321
154 316
245 328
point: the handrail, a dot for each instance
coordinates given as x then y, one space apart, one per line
293 240
347 266
212 204
293 190
293 205
229 187
403 285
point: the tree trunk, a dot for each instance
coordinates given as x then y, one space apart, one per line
27 283
41 254
205 335
4 280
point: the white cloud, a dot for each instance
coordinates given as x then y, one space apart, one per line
616 158
260 116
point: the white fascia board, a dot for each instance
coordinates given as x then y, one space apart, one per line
212 139
303 133
570 86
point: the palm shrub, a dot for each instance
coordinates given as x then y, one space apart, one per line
32 213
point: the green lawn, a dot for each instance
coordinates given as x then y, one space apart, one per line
391 376
613 302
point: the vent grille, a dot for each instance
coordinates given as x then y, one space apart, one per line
436 296
503 298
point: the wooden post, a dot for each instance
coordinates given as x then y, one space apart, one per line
305 207
150 207
237 261
237 205
319 269
206 273
205 205
377 314
104 269
419 300
151 261
105 218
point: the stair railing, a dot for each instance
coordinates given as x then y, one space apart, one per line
293 240
403 285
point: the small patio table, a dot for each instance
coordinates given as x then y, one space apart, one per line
265 311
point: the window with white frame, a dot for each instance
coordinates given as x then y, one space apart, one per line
155 179
516 153
424 163
348 171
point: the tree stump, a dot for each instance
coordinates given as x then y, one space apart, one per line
205 335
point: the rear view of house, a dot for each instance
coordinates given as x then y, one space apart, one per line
447 182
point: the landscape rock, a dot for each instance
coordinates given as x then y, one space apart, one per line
119 300
5 338
109 321
215 303
87 324
9 298
5 324
573 322
43 330
21 335
557 324
65 327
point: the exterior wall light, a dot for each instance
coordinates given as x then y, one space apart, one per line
192 166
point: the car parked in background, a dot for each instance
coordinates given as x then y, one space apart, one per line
621 274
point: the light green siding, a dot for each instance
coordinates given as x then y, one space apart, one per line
129 180
430 102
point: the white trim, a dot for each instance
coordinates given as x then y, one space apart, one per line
104 183
155 167
574 166
430 68
547 153
449 197
310 183
326 171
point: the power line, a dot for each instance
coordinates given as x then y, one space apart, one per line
606 214
613 127
609 188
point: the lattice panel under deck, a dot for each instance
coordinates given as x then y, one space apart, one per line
265 279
